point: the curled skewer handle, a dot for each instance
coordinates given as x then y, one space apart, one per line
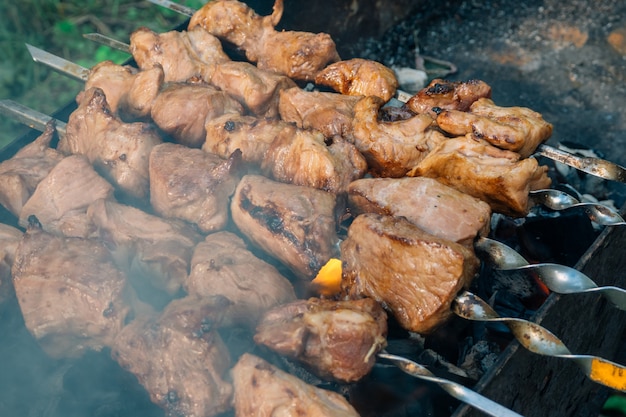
539 340
456 390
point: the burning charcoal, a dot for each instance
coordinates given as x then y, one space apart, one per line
336 340
263 390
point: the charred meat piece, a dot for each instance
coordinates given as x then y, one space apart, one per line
500 178
292 223
223 266
448 95
119 151
413 274
517 129
61 199
20 174
192 185
154 251
182 109
179 358
298 55
70 292
432 206
10 237
336 340
330 113
129 91
392 148
182 55
359 77
263 390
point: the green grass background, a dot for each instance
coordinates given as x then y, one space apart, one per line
58 26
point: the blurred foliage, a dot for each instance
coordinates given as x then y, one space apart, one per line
57 27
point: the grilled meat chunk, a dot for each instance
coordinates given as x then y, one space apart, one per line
336 340
182 109
263 390
119 151
292 223
153 251
183 55
223 266
500 178
20 174
413 274
432 206
391 148
179 358
359 77
330 113
448 95
517 129
10 237
70 292
61 199
298 55
192 185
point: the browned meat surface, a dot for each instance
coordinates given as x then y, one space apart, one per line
413 274
301 157
119 151
292 223
155 252
179 358
256 89
392 148
432 206
359 77
330 113
61 199
263 390
500 178
182 109
448 95
20 174
517 129
222 265
251 135
298 55
336 340
192 185
129 91
10 237
182 54
71 294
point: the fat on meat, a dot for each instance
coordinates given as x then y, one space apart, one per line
71 294
222 265
193 185
436 208
442 94
298 55
182 109
392 148
61 199
20 174
336 340
499 177
413 274
517 129
292 223
155 252
119 151
10 238
359 77
179 357
263 390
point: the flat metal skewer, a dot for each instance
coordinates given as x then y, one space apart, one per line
30 117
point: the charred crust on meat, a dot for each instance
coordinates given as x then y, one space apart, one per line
437 110
122 157
439 88
229 126
109 311
33 222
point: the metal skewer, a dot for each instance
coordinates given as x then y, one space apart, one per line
30 117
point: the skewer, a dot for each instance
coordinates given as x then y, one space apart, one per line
539 340
30 117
